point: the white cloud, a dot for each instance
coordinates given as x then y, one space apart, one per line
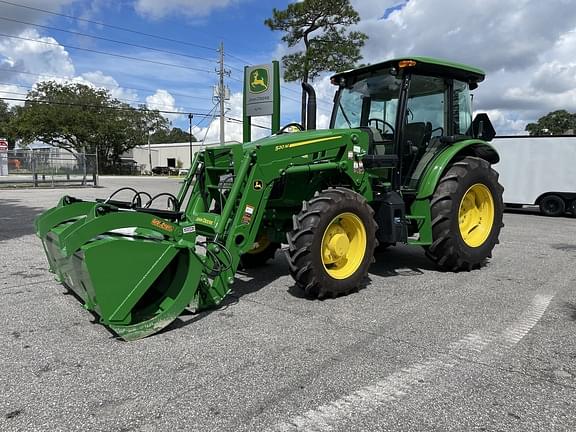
28 14
194 8
12 92
101 80
529 61
233 130
164 101
29 56
506 125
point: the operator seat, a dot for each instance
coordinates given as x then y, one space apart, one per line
416 137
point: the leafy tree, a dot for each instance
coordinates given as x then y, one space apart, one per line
82 119
6 117
175 135
559 122
321 25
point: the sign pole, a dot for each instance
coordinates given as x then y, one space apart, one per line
247 121
3 157
276 98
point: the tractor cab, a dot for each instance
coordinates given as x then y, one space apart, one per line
409 108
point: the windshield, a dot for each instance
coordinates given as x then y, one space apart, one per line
372 101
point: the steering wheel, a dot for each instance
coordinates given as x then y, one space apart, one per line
439 128
384 124
290 125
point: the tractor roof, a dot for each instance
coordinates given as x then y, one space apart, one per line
424 66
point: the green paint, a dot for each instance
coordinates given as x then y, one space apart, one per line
440 163
139 282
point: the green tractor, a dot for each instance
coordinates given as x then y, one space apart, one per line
402 162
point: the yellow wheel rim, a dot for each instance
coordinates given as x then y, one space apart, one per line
476 215
262 242
343 246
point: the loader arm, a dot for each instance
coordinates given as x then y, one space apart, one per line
137 268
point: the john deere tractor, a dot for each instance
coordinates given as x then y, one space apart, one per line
402 162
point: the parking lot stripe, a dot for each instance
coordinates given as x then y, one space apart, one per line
397 385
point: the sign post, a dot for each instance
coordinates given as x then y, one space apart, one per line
261 96
3 157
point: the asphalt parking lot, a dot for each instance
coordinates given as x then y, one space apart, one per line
417 349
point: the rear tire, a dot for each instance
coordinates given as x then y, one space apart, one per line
332 243
466 211
552 205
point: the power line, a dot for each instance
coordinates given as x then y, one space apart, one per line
228 65
137 101
15 85
97 106
105 53
14 93
103 84
106 39
232 119
239 59
99 23
203 119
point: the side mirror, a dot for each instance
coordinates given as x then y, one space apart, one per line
482 127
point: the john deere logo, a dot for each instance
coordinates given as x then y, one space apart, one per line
258 184
259 80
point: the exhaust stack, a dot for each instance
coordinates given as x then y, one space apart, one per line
311 107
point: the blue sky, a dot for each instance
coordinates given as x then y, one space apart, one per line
529 63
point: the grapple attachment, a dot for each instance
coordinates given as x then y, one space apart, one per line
135 270
137 267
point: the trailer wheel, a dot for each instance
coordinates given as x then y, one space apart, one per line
264 250
332 243
552 205
572 208
466 211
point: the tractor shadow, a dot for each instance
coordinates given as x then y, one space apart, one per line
16 220
398 261
247 281
401 260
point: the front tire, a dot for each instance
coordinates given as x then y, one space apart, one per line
466 211
263 251
332 243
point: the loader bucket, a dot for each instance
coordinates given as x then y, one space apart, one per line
130 268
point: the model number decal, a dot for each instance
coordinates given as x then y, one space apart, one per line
162 225
301 143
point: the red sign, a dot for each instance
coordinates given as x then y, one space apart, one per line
3 145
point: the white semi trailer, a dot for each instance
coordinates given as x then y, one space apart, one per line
538 171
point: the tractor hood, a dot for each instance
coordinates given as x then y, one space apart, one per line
300 138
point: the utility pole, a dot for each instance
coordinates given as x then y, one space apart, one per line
149 154
222 91
190 116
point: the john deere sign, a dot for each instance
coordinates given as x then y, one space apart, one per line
261 95
259 80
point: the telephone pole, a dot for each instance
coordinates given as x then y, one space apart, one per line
222 91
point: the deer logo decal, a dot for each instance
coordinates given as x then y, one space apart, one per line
259 80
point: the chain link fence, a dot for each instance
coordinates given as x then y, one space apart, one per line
47 167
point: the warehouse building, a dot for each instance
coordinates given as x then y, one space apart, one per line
171 155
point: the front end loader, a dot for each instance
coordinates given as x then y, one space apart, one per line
402 162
